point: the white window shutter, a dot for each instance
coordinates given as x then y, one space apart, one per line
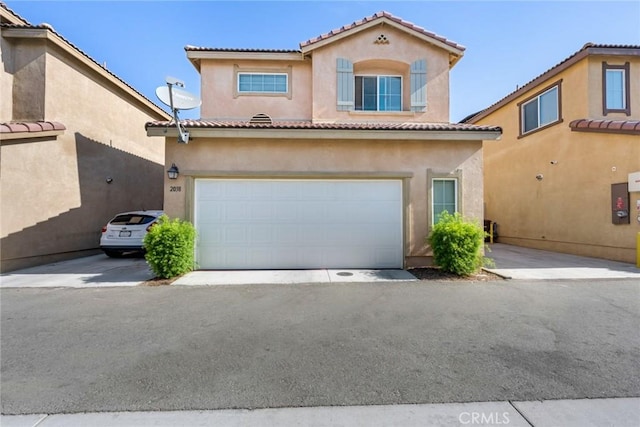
419 85
344 88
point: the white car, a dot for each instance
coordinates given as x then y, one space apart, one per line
126 231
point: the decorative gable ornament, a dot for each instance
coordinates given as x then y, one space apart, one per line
382 39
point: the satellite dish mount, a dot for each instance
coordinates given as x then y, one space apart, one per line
177 99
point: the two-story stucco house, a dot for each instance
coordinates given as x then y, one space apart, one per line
566 174
339 154
73 147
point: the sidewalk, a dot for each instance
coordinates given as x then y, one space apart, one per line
620 412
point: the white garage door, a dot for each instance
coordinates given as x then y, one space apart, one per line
297 224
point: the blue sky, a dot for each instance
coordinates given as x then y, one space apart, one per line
508 42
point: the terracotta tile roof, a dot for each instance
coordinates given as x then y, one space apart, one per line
381 15
587 49
189 48
612 126
30 127
14 16
81 52
241 124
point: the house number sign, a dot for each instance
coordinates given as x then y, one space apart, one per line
175 189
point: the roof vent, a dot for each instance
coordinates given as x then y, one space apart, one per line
261 119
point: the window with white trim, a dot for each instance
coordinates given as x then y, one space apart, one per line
615 88
444 197
541 110
263 82
378 93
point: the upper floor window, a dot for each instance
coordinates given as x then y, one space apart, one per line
541 110
378 93
262 83
381 92
615 88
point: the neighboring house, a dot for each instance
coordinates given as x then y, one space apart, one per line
73 147
566 175
336 155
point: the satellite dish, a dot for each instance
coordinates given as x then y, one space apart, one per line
182 100
177 99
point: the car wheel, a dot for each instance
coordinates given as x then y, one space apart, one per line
113 254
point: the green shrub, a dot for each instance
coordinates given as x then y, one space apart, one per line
456 244
169 246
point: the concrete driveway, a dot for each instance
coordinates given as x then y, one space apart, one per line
515 262
88 272
511 262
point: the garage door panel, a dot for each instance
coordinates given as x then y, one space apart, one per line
214 211
262 234
262 211
209 233
261 224
285 234
287 190
260 190
235 234
310 212
284 211
259 256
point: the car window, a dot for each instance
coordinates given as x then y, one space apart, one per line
132 219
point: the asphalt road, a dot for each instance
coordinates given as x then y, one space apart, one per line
175 348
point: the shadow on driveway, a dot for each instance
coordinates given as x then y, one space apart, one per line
92 271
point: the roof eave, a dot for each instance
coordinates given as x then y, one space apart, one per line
335 134
7 136
196 56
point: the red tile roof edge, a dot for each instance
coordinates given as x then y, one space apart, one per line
380 15
190 48
31 127
240 124
8 9
612 126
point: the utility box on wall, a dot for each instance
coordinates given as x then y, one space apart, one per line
620 203
634 187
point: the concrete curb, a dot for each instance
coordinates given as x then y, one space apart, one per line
618 412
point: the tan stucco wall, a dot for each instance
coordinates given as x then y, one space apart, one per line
267 157
371 58
569 210
6 82
27 66
55 197
218 81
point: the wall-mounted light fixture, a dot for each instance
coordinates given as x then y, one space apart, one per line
173 171
109 180
539 177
